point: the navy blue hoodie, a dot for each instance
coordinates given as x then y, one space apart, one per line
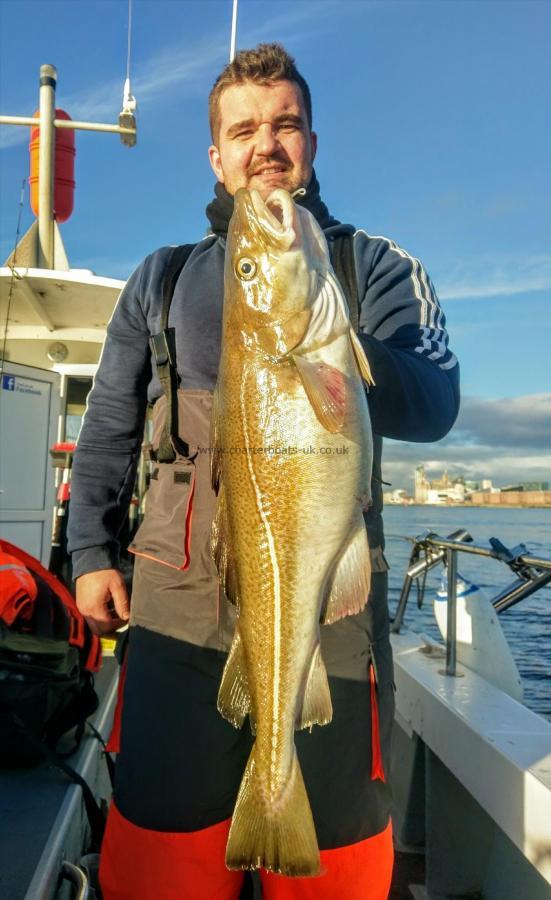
402 329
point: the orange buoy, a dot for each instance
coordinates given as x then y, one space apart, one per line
64 173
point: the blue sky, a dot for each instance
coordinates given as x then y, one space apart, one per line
434 129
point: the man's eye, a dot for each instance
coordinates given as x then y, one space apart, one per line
245 268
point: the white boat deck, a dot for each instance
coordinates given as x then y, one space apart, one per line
494 746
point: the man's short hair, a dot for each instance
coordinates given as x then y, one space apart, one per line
263 65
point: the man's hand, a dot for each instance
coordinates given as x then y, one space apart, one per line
102 599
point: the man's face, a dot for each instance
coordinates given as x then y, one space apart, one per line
264 141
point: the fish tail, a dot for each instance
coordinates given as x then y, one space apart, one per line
278 836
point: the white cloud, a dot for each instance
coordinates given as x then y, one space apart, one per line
519 422
507 440
491 276
487 462
12 135
176 66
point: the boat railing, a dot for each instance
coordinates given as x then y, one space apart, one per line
430 550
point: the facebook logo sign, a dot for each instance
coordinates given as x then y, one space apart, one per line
8 383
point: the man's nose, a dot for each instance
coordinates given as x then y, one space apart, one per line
267 141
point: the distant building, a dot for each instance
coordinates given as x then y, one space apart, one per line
510 498
440 490
399 496
484 485
422 485
448 489
527 486
455 493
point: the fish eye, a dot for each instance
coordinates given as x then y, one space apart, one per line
246 268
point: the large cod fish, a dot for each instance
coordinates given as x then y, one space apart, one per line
292 467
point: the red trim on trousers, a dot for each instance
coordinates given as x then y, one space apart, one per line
139 864
377 768
114 742
188 518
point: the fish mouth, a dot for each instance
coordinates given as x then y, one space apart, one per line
272 220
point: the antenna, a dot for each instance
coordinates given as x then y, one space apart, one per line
233 30
47 124
127 115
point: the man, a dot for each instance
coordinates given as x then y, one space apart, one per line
180 764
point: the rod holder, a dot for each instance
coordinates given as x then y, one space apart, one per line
451 630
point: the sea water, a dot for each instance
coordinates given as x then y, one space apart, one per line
527 625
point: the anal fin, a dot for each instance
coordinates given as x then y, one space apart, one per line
234 699
351 580
317 708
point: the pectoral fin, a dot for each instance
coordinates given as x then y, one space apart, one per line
325 388
361 359
351 582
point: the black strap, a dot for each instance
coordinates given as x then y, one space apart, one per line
106 755
163 348
96 818
341 249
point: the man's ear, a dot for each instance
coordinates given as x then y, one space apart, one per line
215 163
314 144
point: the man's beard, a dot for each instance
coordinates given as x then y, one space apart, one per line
285 179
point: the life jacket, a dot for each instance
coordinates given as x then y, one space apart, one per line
18 590
47 657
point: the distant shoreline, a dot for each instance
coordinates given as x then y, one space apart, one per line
473 505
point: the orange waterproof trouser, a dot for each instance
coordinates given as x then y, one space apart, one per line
139 864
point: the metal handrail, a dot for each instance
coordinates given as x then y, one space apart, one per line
532 573
78 878
432 540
